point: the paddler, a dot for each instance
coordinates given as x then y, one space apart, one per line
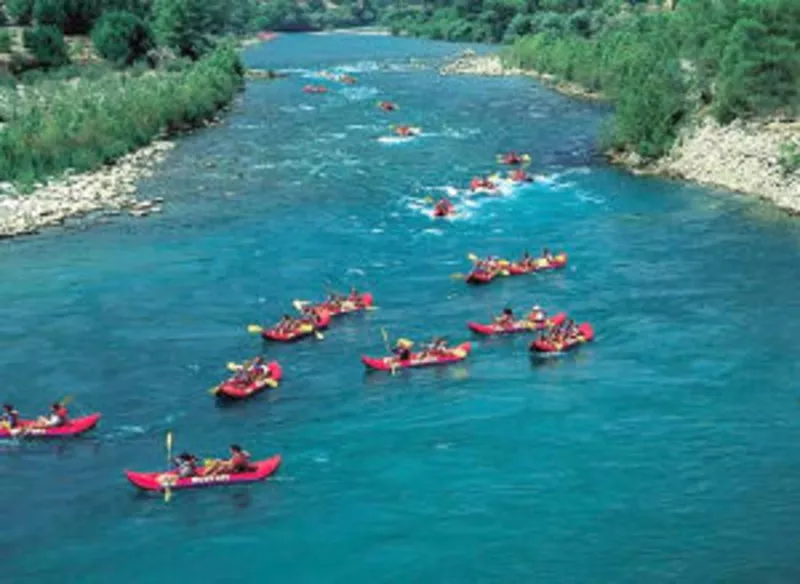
402 348
58 417
10 417
239 462
185 465
537 315
505 319
547 255
387 106
519 175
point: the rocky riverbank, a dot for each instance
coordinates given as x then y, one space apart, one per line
470 63
742 157
110 190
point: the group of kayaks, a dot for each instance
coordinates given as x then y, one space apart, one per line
489 185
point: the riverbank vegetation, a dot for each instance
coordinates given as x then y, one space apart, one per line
87 81
661 65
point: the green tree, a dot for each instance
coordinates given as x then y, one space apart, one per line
46 44
50 12
122 37
184 25
20 11
760 72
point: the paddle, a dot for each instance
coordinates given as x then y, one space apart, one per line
167 490
392 364
254 329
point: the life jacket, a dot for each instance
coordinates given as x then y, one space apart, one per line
62 413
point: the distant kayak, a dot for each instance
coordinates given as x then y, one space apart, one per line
548 346
157 481
444 208
387 106
315 89
458 353
538 265
408 131
305 328
236 389
513 158
362 302
73 427
520 326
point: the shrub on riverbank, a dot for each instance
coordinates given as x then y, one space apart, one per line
91 123
46 44
122 38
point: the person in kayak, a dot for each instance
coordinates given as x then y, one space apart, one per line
10 417
402 349
512 158
185 465
387 106
537 315
239 462
481 182
286 324
443 207
437 346
548 255
519 175
406 131
505 319
58 416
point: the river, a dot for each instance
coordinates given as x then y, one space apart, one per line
665 451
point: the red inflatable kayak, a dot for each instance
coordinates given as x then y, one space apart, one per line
363 302
520 326
443 209
315 89
483 276
546 346
156 481
539 265
458 353
73 427
306 328
234 389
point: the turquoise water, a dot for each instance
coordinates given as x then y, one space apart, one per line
666 451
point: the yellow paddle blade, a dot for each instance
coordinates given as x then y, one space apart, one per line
405 343
233 366
458 276
167 494
526 157
66 400
319 335
254 329
271 382
429 199
169 440
472 257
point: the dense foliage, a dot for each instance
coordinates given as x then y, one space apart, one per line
122 38
736 58
46 44
289 15
93 122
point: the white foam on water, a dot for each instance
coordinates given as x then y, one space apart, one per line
395 139
433 231
376 230
359 93
356 271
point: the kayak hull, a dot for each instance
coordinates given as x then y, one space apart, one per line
300 332
75 427
521 326
154 481
480 277
548 347
458 353
230 390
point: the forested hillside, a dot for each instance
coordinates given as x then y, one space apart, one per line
658 63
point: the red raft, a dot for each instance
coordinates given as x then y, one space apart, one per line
156 481
306 328
73 427
520 326
444 208
362 302
547 346
235 389
539 265
458 353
